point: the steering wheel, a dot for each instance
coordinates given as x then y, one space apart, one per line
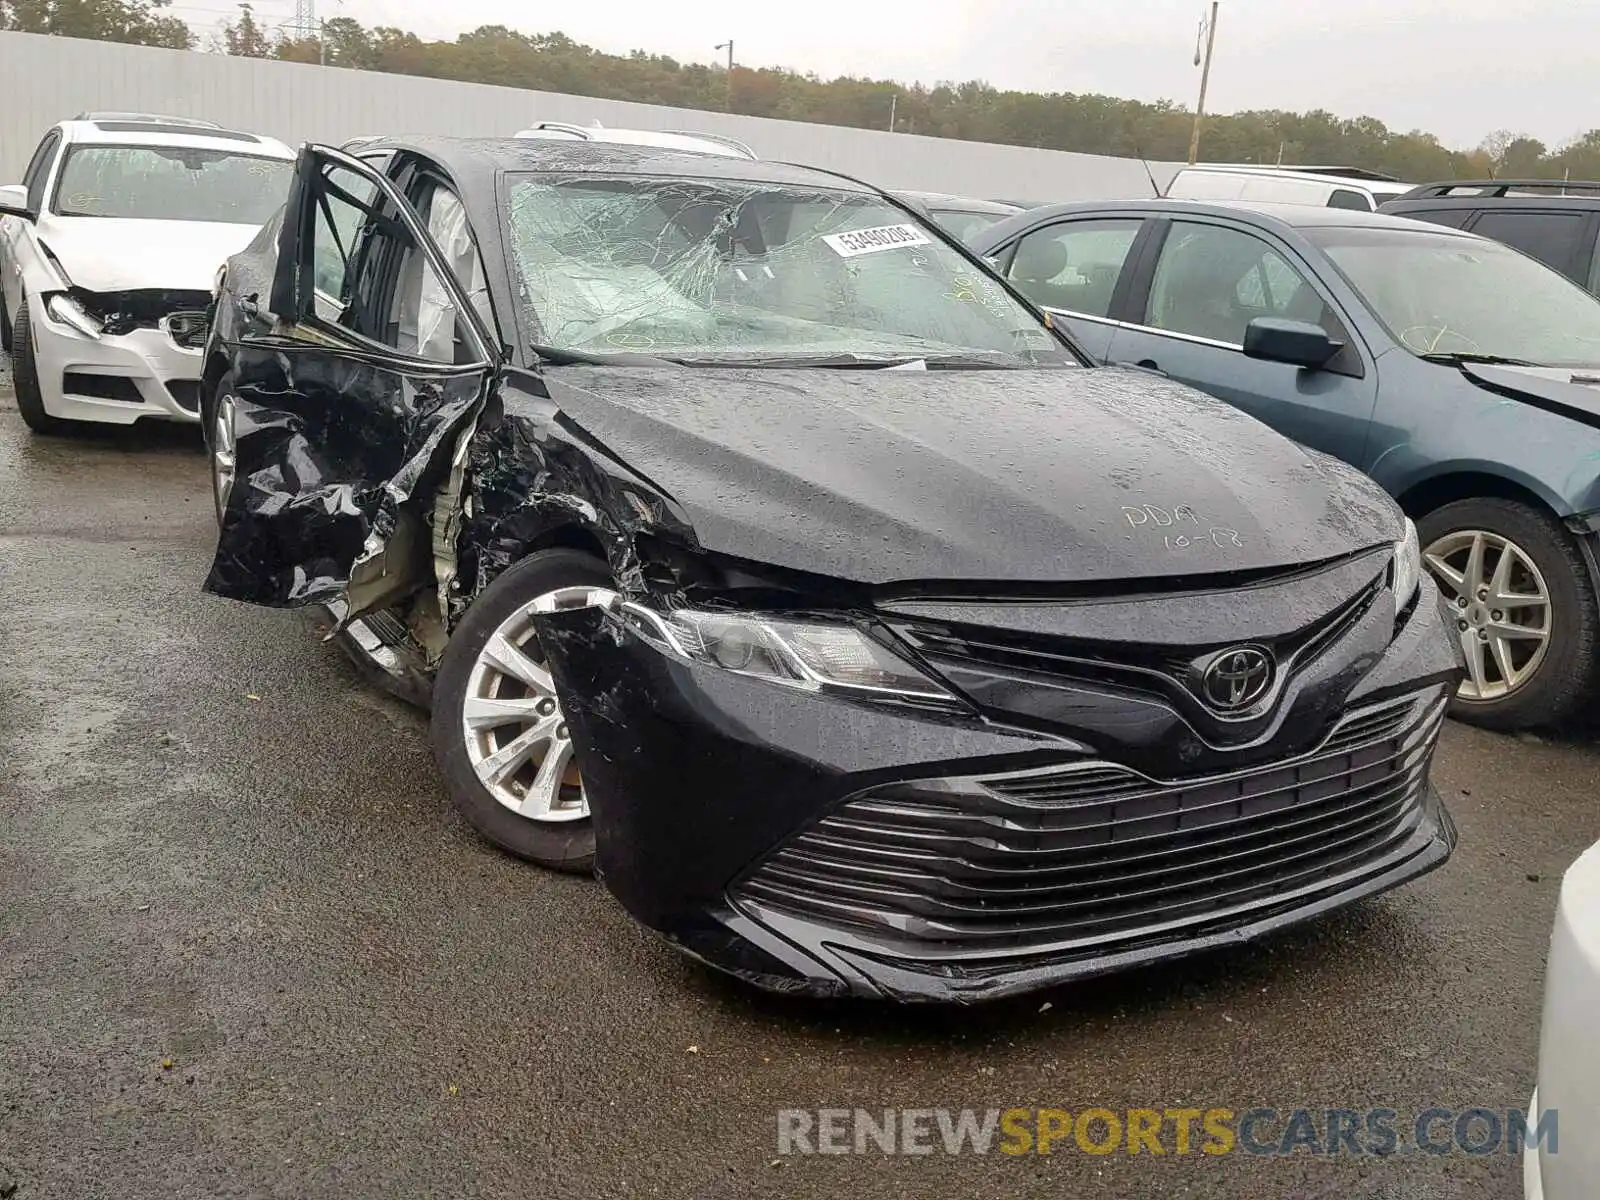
1425 339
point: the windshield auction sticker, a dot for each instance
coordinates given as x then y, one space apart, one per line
879 237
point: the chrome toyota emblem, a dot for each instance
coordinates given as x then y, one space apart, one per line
1236 678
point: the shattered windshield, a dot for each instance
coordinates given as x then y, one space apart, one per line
732 272
170 183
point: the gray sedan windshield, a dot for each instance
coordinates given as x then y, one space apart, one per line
726 271
1440 294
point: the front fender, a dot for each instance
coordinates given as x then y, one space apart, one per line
1401 474
532 477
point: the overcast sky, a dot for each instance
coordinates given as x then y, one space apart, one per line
1457 68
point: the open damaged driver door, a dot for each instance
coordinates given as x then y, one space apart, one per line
341 419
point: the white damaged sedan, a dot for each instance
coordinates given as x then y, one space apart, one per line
108 251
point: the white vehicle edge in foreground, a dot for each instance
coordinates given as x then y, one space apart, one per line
1566 1168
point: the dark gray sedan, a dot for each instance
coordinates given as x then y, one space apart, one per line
1459 373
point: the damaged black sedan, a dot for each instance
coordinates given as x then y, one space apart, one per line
758 547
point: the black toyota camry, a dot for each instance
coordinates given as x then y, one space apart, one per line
755 545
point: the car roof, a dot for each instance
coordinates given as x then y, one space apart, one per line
1479 190
135 129
945 202
475 162
1281 218
671 139
1351 177
1408 203
1295 216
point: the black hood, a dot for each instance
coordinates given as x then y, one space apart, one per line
1031 476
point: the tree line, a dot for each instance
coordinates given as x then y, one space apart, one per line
974 110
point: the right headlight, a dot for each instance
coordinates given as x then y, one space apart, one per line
1407 567
64 310
813 656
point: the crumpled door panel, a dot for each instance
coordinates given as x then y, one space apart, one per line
329 447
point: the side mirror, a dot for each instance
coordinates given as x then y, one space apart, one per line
14 202
1298 343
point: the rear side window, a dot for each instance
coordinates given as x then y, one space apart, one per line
1075 265
1345 198
1551 237
1454 218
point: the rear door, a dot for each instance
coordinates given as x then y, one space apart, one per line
1201 283
1072 269
342 417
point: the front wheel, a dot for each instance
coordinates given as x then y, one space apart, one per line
217 421
1524 608
499 735
25 377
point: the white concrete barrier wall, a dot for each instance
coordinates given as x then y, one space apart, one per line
47 79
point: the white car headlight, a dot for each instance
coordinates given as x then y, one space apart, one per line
813 656
1407 567
64 310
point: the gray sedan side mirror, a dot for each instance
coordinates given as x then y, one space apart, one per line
1298 343
14 202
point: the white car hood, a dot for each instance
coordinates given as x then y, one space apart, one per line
106 254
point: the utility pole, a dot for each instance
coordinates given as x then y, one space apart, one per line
1208 29
728 46
894 99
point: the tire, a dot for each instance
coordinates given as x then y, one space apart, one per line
25 378
210 433
1565 676
560 844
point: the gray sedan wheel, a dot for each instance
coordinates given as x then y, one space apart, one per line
1502 607
1523 605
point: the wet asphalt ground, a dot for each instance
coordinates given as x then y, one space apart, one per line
247 950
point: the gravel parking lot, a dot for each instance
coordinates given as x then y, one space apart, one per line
247 950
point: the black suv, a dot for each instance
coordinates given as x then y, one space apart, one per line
1554 221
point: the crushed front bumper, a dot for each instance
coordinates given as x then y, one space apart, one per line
825 846
116 378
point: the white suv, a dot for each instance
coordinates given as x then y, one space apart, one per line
108 249
700 143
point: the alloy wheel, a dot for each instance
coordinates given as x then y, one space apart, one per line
1502 609
224 460
516 735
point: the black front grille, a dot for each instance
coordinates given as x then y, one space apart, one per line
189 329
1094 852
1172 672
